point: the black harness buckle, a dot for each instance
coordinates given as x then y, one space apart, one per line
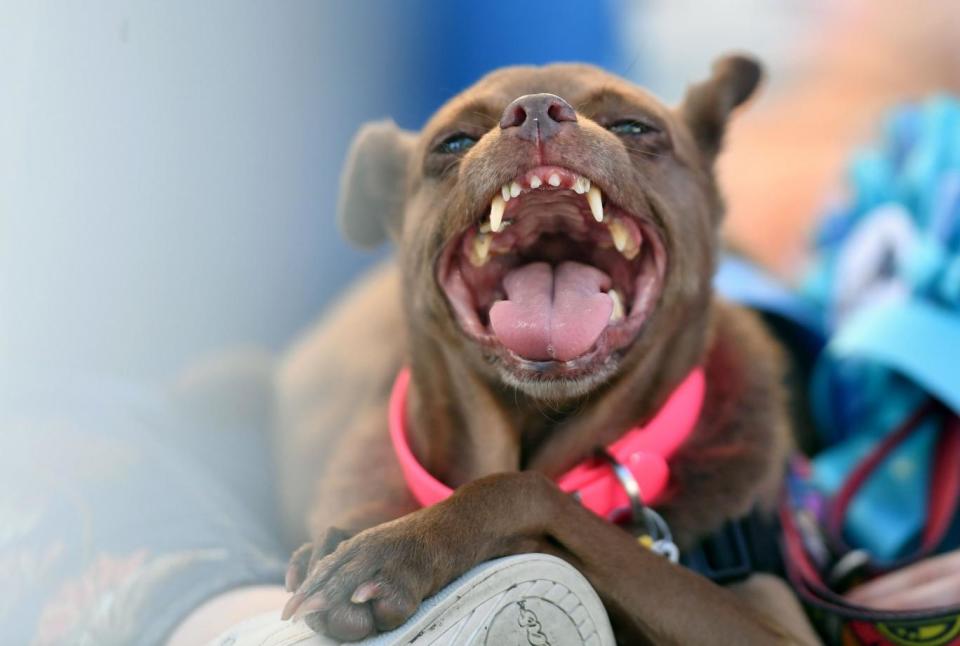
722 557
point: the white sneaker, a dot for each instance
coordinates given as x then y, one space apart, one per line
526 600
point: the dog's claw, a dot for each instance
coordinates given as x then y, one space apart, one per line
291 606
313 604
366 591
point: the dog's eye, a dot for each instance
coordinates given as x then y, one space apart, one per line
455 144
631 128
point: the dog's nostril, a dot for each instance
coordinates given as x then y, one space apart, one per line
513 116
561 111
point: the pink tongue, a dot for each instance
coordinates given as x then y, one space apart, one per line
552 313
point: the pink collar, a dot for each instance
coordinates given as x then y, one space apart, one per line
643 450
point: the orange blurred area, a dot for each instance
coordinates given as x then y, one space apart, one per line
785 154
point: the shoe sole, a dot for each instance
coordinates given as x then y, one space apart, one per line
526 600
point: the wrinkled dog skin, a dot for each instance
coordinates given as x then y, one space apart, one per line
556 232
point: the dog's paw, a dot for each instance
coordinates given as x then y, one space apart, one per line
370 583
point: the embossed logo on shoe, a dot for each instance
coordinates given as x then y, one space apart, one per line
537 621
528 619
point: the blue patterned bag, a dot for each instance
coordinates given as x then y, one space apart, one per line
879 316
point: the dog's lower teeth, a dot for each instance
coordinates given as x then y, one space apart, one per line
481 250
619 234
618 312
623 241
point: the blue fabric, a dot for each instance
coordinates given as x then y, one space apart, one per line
884 293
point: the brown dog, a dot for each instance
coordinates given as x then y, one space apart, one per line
556 233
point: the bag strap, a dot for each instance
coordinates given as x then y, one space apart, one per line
945 486
943 491
807 582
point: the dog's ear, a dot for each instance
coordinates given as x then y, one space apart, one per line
373 184
707 105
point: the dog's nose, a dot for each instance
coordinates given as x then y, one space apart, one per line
537 113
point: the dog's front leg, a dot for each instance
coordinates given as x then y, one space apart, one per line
648 598
375 580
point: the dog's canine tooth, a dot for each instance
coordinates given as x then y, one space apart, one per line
619 234
595 200
553 180
497 205
481 250
505 192
535 182
618 312
626 244
514 189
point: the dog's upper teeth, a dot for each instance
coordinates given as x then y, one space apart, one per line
618 312
481 250
595 200
505 192
553 180
497 205
581 185
514 189
535 182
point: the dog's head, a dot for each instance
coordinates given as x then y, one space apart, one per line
553 224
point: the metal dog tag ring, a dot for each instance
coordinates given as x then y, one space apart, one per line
631 487
661 529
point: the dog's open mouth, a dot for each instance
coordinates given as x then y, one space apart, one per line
554 272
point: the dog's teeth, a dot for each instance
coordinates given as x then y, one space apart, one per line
581 185
625 243
505 192
514 189
617 313
497 205
535 182
595 200
553 180
619 234
481 250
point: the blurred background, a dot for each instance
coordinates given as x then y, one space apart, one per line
168 171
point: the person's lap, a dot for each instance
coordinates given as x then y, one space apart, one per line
131 515
122 511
